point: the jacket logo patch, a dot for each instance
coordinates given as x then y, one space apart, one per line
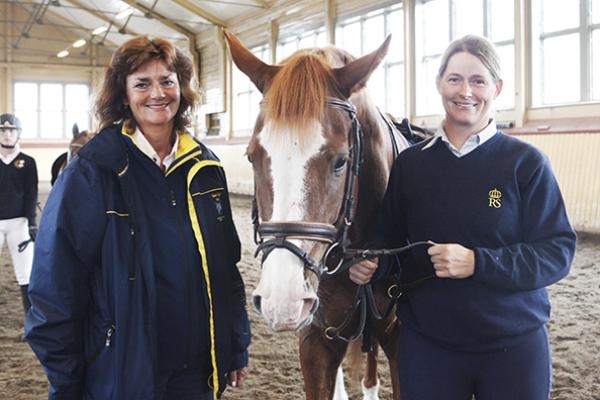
494 200
218 206
19 163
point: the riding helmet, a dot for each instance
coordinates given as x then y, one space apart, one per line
9 121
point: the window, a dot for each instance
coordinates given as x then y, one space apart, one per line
246 97
48 110
438 22
288 46
364 34
560 33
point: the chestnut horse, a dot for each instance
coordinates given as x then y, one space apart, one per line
319 179
79 139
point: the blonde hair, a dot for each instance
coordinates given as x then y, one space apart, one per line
478 46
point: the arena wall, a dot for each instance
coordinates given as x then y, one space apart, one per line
574 158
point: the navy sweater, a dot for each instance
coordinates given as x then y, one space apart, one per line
501 200
19 189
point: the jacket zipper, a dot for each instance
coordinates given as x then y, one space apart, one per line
131 273
109 334
187 271
107 341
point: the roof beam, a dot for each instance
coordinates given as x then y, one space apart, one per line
260 3
213 19
161 18
102 16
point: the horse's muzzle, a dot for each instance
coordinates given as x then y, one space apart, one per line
286 316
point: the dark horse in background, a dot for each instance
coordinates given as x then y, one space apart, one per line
319 180
79 139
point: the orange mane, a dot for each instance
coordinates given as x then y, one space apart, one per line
297 94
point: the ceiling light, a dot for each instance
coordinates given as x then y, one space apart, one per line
99 30
79 43
62 54
125 13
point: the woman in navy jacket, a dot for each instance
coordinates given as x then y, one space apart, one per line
135 290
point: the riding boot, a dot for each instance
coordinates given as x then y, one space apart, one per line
25 296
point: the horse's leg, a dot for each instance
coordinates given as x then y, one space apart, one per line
370 382
387 336
319 361
339 392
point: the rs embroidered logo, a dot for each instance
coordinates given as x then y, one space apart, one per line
494 196
19 163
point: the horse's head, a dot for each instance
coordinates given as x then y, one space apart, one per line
305 152
80 138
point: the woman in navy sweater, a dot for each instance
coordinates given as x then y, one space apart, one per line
491 209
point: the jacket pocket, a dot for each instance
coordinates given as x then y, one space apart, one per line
101 374
110 331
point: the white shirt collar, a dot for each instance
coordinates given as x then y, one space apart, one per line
472 142
144 145
7 159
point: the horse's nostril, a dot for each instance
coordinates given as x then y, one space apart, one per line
256 300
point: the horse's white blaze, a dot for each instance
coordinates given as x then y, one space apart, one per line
285 300
289 157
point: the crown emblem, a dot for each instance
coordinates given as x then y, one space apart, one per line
494 194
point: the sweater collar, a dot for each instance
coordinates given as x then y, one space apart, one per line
471 144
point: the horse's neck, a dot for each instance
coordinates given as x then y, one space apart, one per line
378 157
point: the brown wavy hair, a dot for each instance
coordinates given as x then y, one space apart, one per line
109 103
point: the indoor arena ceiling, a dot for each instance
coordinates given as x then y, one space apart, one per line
59 23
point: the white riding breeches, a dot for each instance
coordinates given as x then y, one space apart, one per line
16 231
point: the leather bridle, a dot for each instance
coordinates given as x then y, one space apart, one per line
276 235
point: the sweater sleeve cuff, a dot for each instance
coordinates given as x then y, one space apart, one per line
72 392
384 269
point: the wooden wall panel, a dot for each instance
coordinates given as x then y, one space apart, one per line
575 159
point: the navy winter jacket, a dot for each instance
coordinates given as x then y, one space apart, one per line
93 289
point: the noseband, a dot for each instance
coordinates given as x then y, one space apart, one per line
276 235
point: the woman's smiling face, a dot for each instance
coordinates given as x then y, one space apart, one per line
468 91
153 94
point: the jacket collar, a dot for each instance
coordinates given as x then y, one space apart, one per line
108 149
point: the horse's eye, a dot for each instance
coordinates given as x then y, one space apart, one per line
339 164
250 158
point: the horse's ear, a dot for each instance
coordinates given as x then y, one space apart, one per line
259 72
355 74
75 130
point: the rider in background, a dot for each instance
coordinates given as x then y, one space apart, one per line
79 139
135 290
18 201
492 211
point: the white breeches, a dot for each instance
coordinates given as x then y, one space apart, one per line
16 231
